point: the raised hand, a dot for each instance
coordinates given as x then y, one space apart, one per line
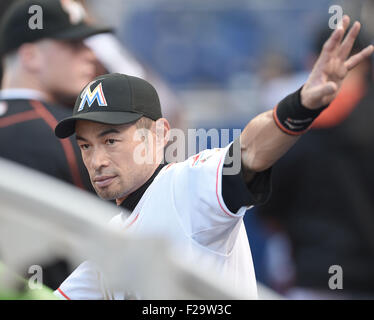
332 66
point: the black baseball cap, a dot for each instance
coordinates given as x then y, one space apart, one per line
60 19
112 99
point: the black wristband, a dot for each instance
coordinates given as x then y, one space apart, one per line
292 117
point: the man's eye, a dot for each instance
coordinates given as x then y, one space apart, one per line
110 141
84 146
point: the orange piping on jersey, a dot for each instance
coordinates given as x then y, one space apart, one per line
136 218
17 118
63 294
219 202
66 143
195 159
169 165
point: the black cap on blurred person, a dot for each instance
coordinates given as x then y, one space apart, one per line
360 43
60 19
113 99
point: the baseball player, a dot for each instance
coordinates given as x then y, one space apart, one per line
193 203
41 67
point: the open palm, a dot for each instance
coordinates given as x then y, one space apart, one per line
332 66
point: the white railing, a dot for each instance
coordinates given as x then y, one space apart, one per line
41 217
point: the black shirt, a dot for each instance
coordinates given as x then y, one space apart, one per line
27 137
323 198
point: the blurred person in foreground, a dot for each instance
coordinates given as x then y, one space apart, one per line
41 65
322 194
196 204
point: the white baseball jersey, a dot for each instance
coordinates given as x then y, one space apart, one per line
184 203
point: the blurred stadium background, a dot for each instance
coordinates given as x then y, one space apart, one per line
225 62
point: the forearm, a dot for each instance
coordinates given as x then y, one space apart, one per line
262 143
271 134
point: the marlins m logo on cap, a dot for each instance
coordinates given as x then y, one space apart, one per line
75 11
90 97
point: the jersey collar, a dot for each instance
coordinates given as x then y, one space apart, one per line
21 93
133 199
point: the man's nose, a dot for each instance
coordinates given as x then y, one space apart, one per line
99 160
87 53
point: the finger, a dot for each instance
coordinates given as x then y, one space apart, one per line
326 89
335 38
328 99
357 58
345 23
347 45
318 94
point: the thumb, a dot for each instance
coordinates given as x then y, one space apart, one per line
328 89
317 96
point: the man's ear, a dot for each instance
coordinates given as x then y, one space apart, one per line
30 56
162 127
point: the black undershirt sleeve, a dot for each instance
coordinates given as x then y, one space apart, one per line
237 193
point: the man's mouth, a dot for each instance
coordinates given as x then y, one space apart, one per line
103 181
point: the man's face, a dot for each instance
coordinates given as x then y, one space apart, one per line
108 154
67 67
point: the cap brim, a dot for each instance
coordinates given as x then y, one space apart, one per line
65 128
81 31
